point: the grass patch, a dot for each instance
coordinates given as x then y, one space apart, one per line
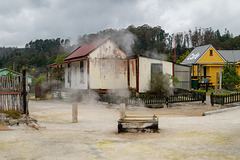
223 94
204 90
13 114
223 91
219 91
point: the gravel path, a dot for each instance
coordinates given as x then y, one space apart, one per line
182 135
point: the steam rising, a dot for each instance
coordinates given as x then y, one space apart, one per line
123 38
87 96
154 54
124 93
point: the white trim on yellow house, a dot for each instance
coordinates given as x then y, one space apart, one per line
206 66
207 51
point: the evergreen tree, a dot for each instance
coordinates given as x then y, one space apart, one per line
182 57
231 79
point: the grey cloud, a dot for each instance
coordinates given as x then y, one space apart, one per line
26 20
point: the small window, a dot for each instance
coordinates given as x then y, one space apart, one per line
81 72
211 53
155 68
69 73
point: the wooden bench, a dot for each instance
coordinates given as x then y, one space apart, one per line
203 85
136 124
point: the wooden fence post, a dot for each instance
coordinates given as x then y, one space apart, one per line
211 99
74 113
122 110
222 101
203 95
24 93
216 84
220 79
166 101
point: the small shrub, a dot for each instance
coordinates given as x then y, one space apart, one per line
41 78
160 84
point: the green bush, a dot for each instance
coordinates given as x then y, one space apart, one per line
40 79
160 84
231 79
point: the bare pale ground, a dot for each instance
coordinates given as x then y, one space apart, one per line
184 134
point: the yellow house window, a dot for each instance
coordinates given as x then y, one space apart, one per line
211 53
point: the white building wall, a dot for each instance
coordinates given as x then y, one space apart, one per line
75 76
67 85
108 67
145 71
167 67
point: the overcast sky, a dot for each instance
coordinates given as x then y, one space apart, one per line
24 20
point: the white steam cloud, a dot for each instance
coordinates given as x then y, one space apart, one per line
154 54
125 40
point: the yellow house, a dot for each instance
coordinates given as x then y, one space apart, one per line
206 61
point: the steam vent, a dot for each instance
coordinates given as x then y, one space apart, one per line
134 124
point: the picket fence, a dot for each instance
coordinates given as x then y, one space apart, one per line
151 100
11 93
225 99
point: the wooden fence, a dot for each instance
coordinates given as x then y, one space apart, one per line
225 99
149 100
11 93
187 97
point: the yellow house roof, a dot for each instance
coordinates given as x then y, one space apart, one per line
202 54
211 56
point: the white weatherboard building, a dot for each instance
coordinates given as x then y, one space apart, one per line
102 66
99 65
141 69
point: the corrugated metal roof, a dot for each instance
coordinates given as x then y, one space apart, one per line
8 70
230 55
85 49
195 54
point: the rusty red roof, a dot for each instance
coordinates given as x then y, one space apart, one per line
85 49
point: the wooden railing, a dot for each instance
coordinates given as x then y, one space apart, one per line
225 99
187 97
11 101
13 94
149 100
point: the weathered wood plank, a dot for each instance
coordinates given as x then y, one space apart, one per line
10 93
138 124
122 109
74 113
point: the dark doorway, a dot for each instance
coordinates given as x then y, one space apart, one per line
204 72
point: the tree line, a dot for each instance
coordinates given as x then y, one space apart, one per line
156 39
133 40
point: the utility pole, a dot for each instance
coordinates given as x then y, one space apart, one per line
175 55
